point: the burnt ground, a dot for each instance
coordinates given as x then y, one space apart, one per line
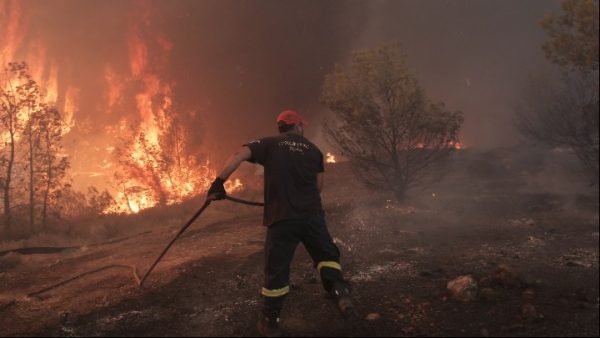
531 245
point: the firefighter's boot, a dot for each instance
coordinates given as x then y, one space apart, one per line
342 294
268 326
268 323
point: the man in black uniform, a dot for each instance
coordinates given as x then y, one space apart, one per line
293 213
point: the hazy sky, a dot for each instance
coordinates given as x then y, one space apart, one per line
233 65
476 56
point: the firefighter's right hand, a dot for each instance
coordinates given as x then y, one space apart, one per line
217 190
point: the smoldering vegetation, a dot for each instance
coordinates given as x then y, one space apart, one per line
500 243
523 182
517 180
93 229
505 239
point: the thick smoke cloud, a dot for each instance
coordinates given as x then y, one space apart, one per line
241 63
235 64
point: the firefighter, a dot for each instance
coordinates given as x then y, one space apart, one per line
293 213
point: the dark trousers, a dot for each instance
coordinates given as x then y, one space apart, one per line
282 239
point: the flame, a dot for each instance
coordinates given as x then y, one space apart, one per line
11 37
13 28
43 71
233 186
115 87
70 108
134 203
456 145
148 180
330 158
50 86
138 55
158 169
12 31
450 144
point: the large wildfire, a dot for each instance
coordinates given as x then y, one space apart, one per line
125 125
145 157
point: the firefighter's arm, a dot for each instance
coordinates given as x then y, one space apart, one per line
217 189
234 161
320 181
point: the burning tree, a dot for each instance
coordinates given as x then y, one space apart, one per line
52 164
17 94
386 126
32 151
156 165
566 114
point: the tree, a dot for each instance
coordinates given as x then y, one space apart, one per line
31 138
567 114
32 152
385 125
17 93
71 205
99 202
156 165
573 36
140 171
53 164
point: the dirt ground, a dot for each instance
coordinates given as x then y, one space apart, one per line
531 247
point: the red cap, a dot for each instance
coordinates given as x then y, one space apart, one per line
290 117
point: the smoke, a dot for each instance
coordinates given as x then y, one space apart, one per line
247 61
225 67
229 67
473 55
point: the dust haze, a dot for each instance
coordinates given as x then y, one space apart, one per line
518 221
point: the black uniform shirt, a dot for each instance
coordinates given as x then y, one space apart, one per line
291 165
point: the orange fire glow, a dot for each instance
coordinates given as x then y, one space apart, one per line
45 72
456 145
11 18
330 158
158 169
154 167
70 108
233 186
451 144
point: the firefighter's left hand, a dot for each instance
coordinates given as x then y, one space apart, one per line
217 190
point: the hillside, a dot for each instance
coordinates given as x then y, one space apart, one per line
523 227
